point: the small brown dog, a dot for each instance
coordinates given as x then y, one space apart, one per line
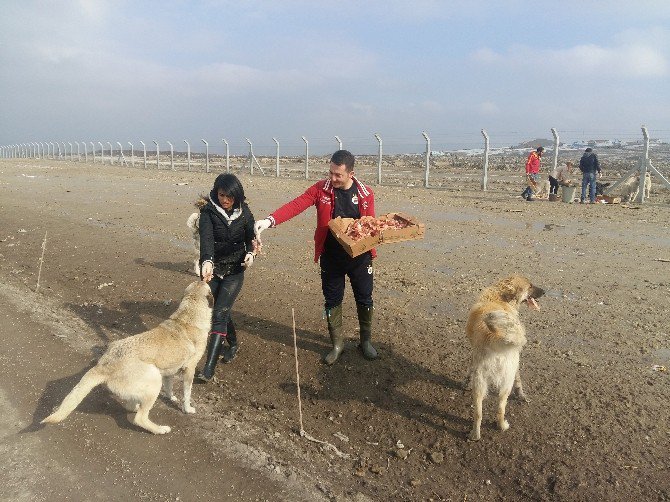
497 337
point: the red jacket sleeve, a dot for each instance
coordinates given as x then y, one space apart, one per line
296 206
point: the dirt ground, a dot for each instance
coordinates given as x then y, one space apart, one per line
118 256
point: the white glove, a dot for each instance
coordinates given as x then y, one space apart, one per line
261 225
248 260
207 271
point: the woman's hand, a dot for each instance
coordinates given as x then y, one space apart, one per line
207 271
248 260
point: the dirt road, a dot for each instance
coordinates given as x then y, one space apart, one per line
117 259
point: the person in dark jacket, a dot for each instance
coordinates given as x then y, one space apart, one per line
589 166
226 250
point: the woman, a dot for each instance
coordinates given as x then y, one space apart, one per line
226 250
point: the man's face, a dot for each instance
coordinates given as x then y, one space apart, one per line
340 177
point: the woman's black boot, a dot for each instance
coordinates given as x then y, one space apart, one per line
230 351
213 351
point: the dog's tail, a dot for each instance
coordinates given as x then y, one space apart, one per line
91 379
193 222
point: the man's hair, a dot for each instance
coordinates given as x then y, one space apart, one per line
539 149
343 157
230 186
589 149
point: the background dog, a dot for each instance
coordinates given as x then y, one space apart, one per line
497 337
135 368
630 188
193 223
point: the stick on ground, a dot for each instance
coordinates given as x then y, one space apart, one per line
297 379
39 273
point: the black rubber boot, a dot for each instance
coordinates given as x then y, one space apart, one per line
230 351
213 351
525 193
365 323
334 318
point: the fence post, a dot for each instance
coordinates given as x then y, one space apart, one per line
188 155
132 154
485 175
102 153
555 159
93 150
379 160
643 166
276 157
206 155
306 157
339 142
111 154
78 151
144 149
425 135
251 156
158 154
122 158
64 154
227 155
171 156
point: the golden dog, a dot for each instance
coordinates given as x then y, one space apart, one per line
135 368
497 337
193 223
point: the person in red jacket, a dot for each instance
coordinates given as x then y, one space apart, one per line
340 194
532 173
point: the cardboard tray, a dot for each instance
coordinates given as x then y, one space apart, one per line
338 227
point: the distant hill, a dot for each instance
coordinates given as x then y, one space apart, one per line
534 143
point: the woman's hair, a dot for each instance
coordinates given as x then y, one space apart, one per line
230 186
569 163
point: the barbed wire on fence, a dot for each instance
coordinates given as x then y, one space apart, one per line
430 160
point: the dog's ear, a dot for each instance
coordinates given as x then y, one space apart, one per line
508 290
508 293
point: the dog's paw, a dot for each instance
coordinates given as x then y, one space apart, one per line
189 409
173 398
162 429
504 425
474 436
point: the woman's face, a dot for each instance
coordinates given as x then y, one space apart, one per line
225 201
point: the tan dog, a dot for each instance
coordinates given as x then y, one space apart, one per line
542 191
193 223
135 368
646 188
630 188
497 337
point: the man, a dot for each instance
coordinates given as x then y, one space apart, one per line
340 194
532 173
589 165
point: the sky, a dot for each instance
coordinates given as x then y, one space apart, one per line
97 70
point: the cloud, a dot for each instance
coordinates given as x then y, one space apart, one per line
630 59
488 108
